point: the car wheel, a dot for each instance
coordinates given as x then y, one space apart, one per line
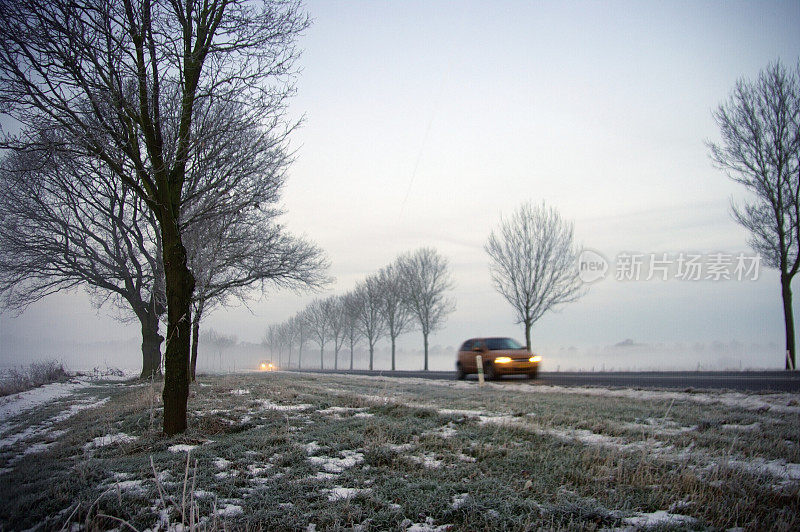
460 375
489 372
533 374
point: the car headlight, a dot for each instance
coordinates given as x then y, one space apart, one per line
502 360
535 358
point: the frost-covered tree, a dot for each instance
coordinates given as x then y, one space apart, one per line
425 280
66 221
106 72
534 263
760 149
370 321
396 312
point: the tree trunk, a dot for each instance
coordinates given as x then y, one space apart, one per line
371 352
179 285
352 347
425 335
336 358
195 338
321 357
528 335
788 318
151 347
393 341
300 356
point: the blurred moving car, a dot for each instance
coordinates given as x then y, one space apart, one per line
267 366
500 356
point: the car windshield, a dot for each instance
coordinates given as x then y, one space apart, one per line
498 344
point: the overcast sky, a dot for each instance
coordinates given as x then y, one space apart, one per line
426 121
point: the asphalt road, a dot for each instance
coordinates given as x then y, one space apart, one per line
752 381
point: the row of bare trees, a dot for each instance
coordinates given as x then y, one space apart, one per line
408 294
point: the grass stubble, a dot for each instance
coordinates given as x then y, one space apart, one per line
285 451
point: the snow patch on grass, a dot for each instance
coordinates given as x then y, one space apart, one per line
337 465
427 460
18 403
230 510
338 492
446 431
338 411
459 500
221 463
109 439
181 448
269 405
659 518
775 468
312 447
427 526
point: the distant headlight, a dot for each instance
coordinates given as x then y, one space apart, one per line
502 360
536 358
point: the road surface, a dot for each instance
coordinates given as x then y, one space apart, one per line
751 381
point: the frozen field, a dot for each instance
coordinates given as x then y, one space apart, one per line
310 451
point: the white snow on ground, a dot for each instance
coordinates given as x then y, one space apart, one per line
10 436
427 526
230 510
312 447
16 404
78 407
776 468
181 448
400 448
337 411
284 408
787 403
459 500
337 465
659 518
258 470
752 427
426 460
447 431
109 439
221 463
240 392
129 485
338 492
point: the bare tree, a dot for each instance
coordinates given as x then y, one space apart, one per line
399 318
230 255
370 322
301 334
337 325
425 279
317 319
106 73
760 127
288 337
220 343
273 341
351 313
534 263
58 231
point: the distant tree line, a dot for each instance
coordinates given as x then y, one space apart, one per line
408 294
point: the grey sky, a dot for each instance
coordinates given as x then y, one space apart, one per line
425 121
